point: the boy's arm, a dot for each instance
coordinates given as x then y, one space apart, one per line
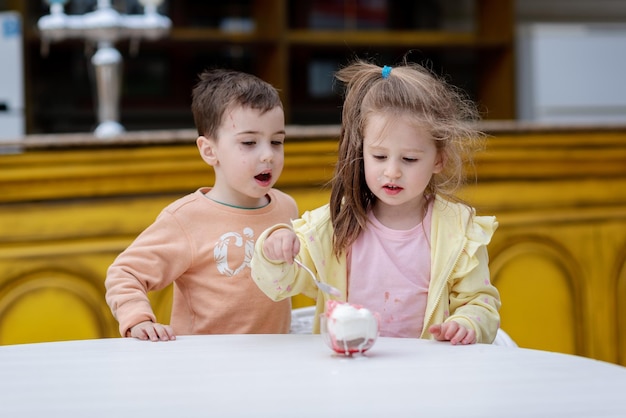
158 256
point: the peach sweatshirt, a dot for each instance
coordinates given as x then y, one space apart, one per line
204 248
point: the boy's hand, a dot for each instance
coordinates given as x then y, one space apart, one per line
152 331
454 332
281 245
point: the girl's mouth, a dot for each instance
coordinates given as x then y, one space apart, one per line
392 189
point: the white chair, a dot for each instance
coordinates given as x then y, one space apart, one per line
503 339
302 320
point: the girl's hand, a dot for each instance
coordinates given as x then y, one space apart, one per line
454 332
152 331
281 245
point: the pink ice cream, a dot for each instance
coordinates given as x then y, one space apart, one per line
349 328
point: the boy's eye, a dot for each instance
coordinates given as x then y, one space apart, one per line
277 143
410 160
248 142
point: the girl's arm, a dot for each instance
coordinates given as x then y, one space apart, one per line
474 301
272 265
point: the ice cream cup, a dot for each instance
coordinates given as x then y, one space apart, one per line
348 329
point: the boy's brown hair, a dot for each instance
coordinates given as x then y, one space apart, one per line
219 89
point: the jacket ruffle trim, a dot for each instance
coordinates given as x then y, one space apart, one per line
479 232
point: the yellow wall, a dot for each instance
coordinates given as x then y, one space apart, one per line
558 258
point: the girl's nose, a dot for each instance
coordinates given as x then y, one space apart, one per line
392 170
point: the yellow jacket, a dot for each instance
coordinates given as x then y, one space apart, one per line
460 288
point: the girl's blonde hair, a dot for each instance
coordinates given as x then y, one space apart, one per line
408 90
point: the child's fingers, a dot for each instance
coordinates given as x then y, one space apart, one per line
452 330
435 330
287 250
272 249
296 247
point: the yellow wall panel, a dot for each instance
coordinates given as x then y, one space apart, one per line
50 306
620 301
537 309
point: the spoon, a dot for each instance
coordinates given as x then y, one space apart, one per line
324 287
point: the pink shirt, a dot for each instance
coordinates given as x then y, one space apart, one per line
389 273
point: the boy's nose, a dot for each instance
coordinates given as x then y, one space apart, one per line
267 155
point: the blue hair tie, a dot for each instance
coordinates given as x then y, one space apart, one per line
386 71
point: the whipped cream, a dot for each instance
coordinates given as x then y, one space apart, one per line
346 322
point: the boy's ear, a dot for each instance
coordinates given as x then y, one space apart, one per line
206 146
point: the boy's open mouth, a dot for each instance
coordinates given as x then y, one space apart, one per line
263 177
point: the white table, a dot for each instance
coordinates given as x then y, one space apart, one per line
298 376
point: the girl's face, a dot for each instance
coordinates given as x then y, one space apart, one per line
399 159
247 156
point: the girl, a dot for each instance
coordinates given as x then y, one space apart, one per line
394 237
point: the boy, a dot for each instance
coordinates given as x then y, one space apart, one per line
203 242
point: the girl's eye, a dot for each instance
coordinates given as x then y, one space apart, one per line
379 157
277 143
248 143
410 160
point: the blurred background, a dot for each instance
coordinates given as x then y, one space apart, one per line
498 51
